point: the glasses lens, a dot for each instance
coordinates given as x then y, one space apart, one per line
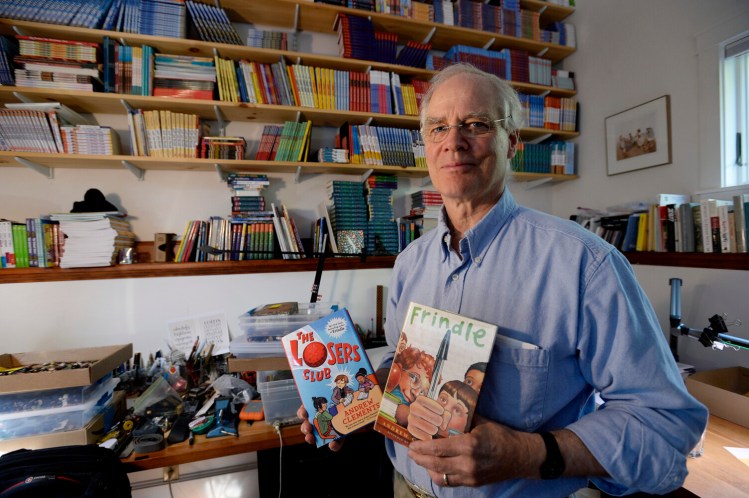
467 129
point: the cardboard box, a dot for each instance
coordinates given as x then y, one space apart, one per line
89 434
107 359
723 392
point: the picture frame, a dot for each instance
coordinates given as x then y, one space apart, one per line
639 137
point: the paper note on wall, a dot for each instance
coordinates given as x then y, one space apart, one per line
208 329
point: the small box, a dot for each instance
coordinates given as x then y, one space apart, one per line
28 401
279 395
106 358
89 434
61 419
724 391
272 327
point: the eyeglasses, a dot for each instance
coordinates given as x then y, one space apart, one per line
470 128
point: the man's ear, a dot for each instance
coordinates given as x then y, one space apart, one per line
512 144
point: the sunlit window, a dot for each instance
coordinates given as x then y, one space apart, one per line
736 113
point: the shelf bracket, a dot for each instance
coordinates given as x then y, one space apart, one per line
542 52
296 18
426 181
222 174
542 10
298 174
298 116
19 31
23 98
335 22
216 53
369 120
42 170
139 173
489 44
429 35
536 183
366 175
126 105
544 93
123 42
540 139
221 120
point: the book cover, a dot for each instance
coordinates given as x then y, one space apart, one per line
334 377
438 361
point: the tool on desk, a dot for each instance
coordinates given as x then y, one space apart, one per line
148 443
252 410
180 429
225 421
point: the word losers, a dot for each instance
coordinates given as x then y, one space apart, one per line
316 353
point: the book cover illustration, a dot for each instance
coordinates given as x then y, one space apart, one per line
334 377
436 375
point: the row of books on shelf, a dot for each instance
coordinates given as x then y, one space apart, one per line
223 239
503 17
382 145
675 224
550 157
66 240
549 112
53 128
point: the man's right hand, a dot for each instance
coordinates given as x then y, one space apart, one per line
309 431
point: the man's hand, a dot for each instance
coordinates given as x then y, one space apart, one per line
425 418
490 452
309 431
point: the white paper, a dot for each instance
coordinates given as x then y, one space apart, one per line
207 329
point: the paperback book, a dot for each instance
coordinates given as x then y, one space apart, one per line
438 368
334 377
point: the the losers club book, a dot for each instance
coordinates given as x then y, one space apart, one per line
436 375
334 377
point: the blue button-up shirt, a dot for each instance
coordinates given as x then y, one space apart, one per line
548 282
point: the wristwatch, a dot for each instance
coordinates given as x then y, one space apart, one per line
553 466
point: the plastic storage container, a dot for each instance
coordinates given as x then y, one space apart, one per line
64 418
241 347
266 328
280 397
50 398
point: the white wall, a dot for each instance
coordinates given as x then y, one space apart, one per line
628 53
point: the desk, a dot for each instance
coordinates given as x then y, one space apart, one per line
718 472
256 437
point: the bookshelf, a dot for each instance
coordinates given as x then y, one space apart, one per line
305 16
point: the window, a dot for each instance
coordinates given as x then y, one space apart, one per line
735 115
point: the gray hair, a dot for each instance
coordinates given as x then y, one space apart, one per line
507 98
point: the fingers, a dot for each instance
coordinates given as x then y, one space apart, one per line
424 418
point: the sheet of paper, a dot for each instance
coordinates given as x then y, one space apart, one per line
207 329
740 453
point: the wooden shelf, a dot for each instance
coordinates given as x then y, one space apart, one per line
321 18
186 46
693 260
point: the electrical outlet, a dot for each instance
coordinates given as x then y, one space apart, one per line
171 473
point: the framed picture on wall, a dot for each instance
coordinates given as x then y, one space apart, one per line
639 137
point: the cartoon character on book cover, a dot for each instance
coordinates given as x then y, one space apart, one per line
333 375
436 375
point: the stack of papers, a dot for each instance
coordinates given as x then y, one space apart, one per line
93 239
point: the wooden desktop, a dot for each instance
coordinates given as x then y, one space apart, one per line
716 473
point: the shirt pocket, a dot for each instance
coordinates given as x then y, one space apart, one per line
516 389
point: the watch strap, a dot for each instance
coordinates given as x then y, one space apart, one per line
553 466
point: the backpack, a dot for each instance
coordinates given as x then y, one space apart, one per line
78 471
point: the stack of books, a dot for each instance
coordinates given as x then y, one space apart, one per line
57 64
555 157
277 40
252 232
356 37
164 133
211 23
222 148
268 146
293 142
93 239
286 231
163 18
8 50
414 54
184 76
382 234
425 208
348 214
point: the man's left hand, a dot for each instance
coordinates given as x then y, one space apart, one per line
490 452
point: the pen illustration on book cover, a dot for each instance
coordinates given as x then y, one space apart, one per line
436 375
334 377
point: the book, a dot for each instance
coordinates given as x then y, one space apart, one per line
437 361
333 375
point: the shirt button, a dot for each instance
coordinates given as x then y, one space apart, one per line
478 260
455 278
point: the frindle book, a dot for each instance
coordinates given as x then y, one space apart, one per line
436 375
334 377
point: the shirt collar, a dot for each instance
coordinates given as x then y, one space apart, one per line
484 232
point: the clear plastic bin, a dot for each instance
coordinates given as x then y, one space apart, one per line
272 327
279 395
51 420
50 398
243 348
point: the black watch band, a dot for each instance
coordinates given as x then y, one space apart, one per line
553 466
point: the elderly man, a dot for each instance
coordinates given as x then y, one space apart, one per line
569 295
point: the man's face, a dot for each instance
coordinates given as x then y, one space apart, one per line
462 168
